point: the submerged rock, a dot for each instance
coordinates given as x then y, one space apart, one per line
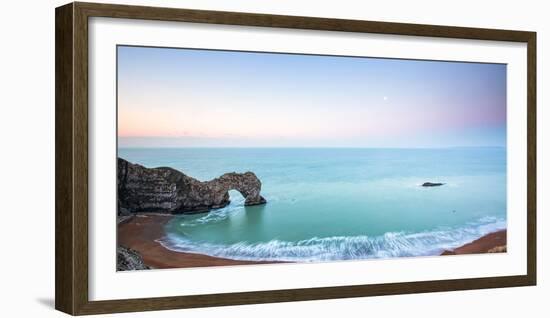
129 260
432 184
168 190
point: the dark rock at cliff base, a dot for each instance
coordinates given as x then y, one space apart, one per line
129 260
260 201
432 184
168 190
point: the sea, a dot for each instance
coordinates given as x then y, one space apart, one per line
327 204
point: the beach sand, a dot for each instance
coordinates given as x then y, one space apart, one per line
140 232
493 242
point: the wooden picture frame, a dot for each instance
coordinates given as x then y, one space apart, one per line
71 221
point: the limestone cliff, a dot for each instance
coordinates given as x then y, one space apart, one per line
168 190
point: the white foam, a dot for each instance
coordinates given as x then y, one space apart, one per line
391 244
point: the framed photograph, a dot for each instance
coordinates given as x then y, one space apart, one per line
210 158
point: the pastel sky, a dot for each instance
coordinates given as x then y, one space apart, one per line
204 98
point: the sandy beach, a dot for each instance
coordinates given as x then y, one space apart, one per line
141 232
491 243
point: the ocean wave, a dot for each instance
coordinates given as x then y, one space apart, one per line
236 204
391 244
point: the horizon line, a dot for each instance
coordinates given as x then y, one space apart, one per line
298 147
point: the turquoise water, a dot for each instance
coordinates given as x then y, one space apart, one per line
336 204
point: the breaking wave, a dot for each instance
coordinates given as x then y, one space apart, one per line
391 244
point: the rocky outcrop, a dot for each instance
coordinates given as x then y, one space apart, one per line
168 190
432 184
498 249
128 260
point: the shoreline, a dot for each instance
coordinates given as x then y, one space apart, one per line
494 242
141 231
140 234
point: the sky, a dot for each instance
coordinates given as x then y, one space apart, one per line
205 98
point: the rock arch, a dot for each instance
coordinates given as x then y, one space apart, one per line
245 183
168 190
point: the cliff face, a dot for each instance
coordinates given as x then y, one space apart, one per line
167 190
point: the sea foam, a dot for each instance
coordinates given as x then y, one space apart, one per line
391 244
